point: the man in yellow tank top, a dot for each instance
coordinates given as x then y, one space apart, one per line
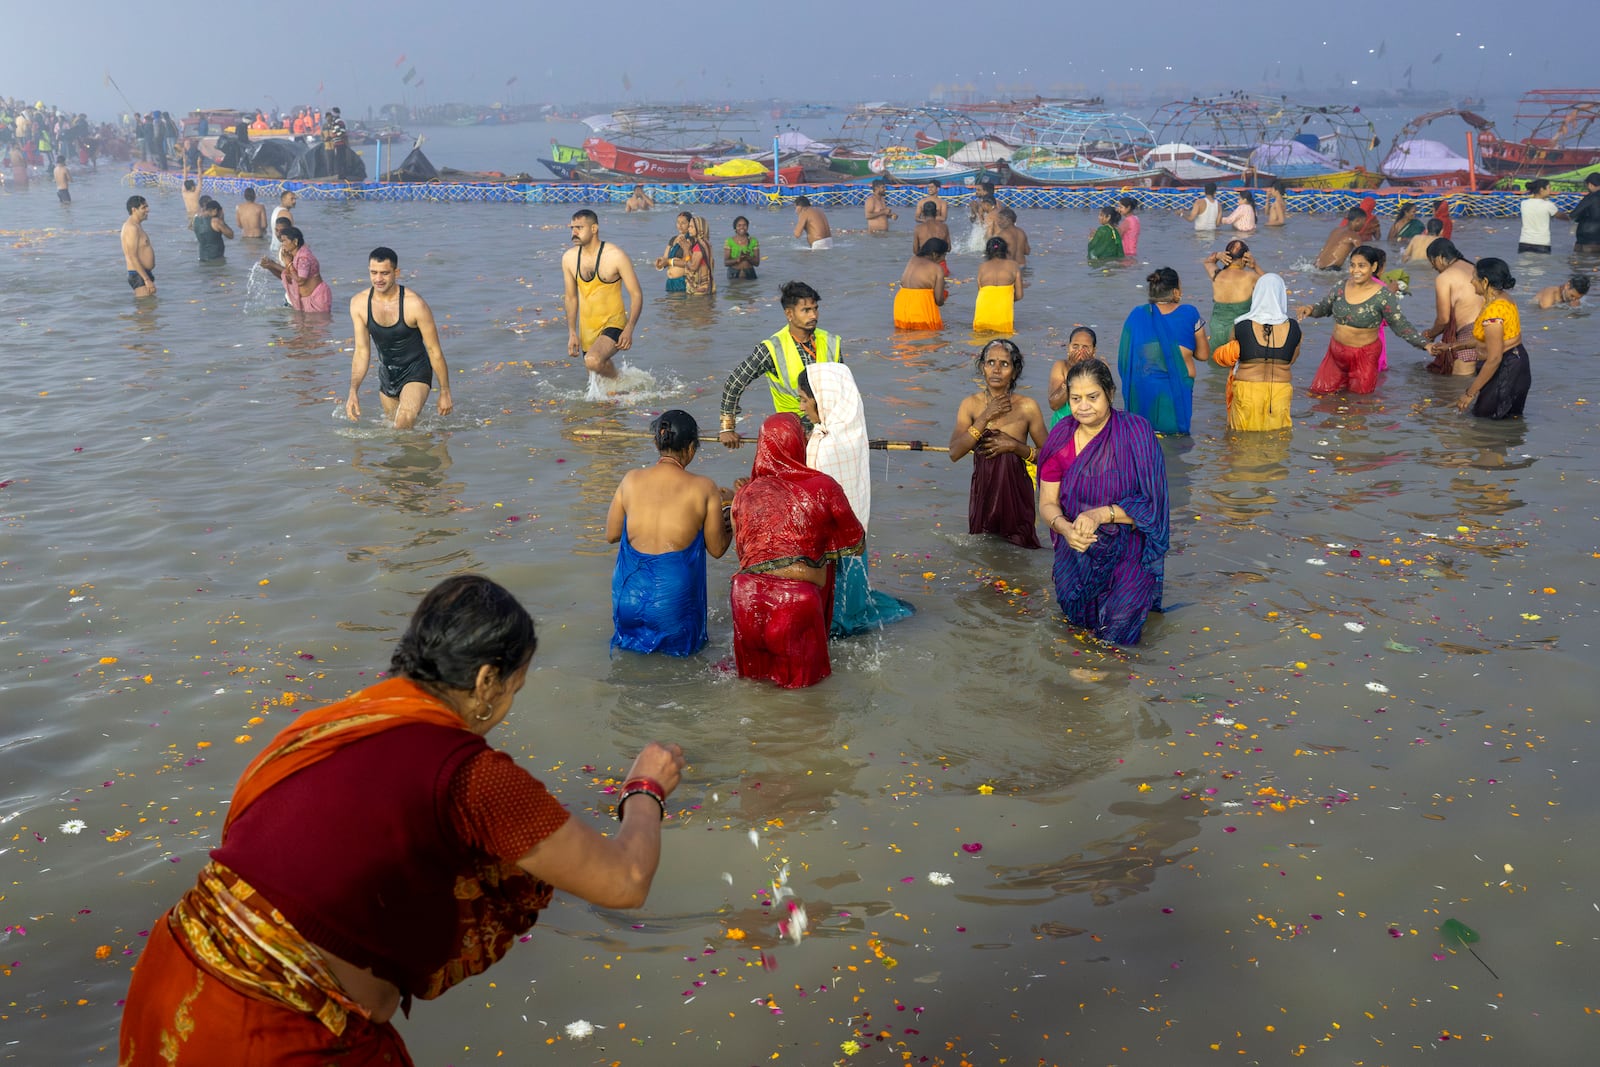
781 358
595 273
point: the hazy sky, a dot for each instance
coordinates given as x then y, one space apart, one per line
178 57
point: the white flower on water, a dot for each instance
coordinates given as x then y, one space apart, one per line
940 879
1377 687
755 839
581 1030
1354 627
74 826
1317 562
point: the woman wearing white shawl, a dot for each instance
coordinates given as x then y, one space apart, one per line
1264 346
838 448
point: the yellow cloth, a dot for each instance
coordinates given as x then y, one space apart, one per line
599 304
994 310
1506 312
914 309
1260 405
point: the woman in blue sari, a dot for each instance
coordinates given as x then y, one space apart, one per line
1103 493
1161 343
838 448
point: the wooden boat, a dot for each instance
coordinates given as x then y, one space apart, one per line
1185 166
900 164
636 164
567 172
1417 162
1556 120
1036 165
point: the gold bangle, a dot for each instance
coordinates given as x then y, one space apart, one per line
728 423
1033 454
977 434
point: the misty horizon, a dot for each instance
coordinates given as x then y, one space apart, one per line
517 57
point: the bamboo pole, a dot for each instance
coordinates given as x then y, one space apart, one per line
882 445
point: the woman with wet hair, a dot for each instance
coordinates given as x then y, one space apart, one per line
1103 494
378 850
1360 305
1106 241
999 288
1161 343
1504 377
664 522
1233 274
996 425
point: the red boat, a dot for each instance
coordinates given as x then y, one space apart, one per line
656 167
1556 120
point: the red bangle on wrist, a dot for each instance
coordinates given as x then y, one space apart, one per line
649 787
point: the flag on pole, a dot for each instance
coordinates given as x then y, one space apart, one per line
399 61
319 88
1383 46
1407 74
419 82
1438 57
511 81
406 78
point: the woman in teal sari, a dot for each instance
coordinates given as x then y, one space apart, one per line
1161 342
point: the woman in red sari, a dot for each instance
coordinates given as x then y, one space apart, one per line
380 849
790 523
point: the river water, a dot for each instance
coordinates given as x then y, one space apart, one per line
1364 713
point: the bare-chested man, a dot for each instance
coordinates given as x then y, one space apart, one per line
928 225
400 325
932 197
137 255
251 216
1277 205
1003 223
594 274
63 181
191 199
1456 303
1342 241
977 209
639 200
1568 294
812 224
877 209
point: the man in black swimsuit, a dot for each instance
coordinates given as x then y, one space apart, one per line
409 356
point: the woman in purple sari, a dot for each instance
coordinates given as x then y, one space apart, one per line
1103 493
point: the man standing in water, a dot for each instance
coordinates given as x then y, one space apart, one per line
1342 241
639 201
409 356
877 209
597 325
781 357
1456 302
251 216
63 180
137 255
941 209
210 230
284 210
812 224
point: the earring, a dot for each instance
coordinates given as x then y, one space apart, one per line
485 712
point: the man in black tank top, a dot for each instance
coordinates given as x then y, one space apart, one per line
400 325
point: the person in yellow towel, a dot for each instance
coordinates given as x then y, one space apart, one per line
999 288
922 292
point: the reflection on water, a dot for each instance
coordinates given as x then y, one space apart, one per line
187 522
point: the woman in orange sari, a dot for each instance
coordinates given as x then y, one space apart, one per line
380 850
